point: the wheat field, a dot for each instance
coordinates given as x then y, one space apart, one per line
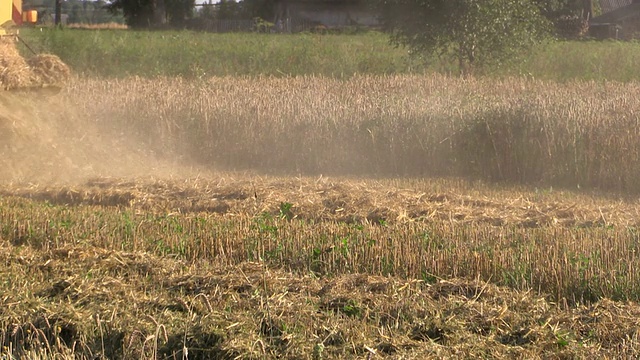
580 134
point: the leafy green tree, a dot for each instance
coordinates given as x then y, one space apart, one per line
551 9
569 17
137 14
263 9
476 33
97 12
178 11
153 13
229 9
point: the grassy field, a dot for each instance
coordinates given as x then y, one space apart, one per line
348 214
193 54
201 55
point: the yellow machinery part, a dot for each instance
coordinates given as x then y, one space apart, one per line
10 15
6 14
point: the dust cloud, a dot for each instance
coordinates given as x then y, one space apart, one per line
46 140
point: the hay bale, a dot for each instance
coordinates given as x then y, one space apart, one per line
14 70
40 70
49 68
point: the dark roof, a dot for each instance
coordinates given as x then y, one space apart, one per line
610 5
617 15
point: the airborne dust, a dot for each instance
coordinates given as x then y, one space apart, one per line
48 137
44 139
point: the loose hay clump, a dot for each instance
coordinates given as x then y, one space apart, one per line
14 70
49 68
40 70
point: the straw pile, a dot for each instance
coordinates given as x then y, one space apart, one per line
14 70
49 68
40 70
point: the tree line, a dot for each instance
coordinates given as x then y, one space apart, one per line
175 13
153 13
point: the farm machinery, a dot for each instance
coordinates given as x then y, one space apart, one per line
12 15
40 71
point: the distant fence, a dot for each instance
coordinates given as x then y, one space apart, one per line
249 25
222 25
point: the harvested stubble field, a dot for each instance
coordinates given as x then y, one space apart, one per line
243 266
110 250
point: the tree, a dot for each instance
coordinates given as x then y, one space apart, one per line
137 13
476 33
229 9
153 13
259 8
569 17
179 10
